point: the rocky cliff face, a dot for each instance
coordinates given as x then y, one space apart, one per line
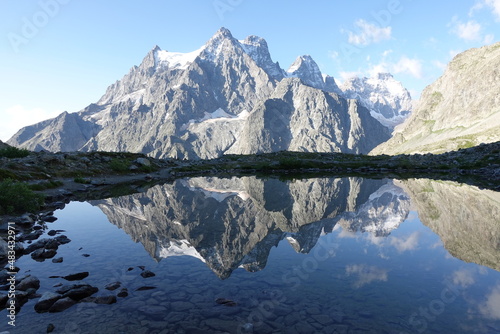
298 117
461 109
228 223
224 97
465 218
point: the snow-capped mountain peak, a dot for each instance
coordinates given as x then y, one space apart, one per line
176 60
386 98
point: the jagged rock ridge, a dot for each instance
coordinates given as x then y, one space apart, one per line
201 104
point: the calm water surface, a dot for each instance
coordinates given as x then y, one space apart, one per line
320 255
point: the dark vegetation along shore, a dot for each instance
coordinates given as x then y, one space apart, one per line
32 182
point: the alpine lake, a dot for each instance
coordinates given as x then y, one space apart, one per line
269 255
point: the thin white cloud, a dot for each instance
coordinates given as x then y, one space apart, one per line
471 31
477 6
491 307
437 244
493 5
439 64
377 241
344 75
463 277
18 116
386 53
378 68
488 39
347 234
333 54
412 66
483 270
453 53
468 31
433 41
369 33
366 274
410 243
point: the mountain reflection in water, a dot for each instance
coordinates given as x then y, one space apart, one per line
466 218
231 223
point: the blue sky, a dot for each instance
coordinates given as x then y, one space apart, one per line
59 55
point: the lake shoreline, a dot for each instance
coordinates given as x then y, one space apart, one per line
65 177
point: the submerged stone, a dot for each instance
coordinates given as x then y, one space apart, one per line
147 274
77 291
112 286
76 276
29 282
46 301
62 304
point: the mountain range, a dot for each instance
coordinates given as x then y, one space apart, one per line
227 97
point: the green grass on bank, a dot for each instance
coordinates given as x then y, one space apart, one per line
18 197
